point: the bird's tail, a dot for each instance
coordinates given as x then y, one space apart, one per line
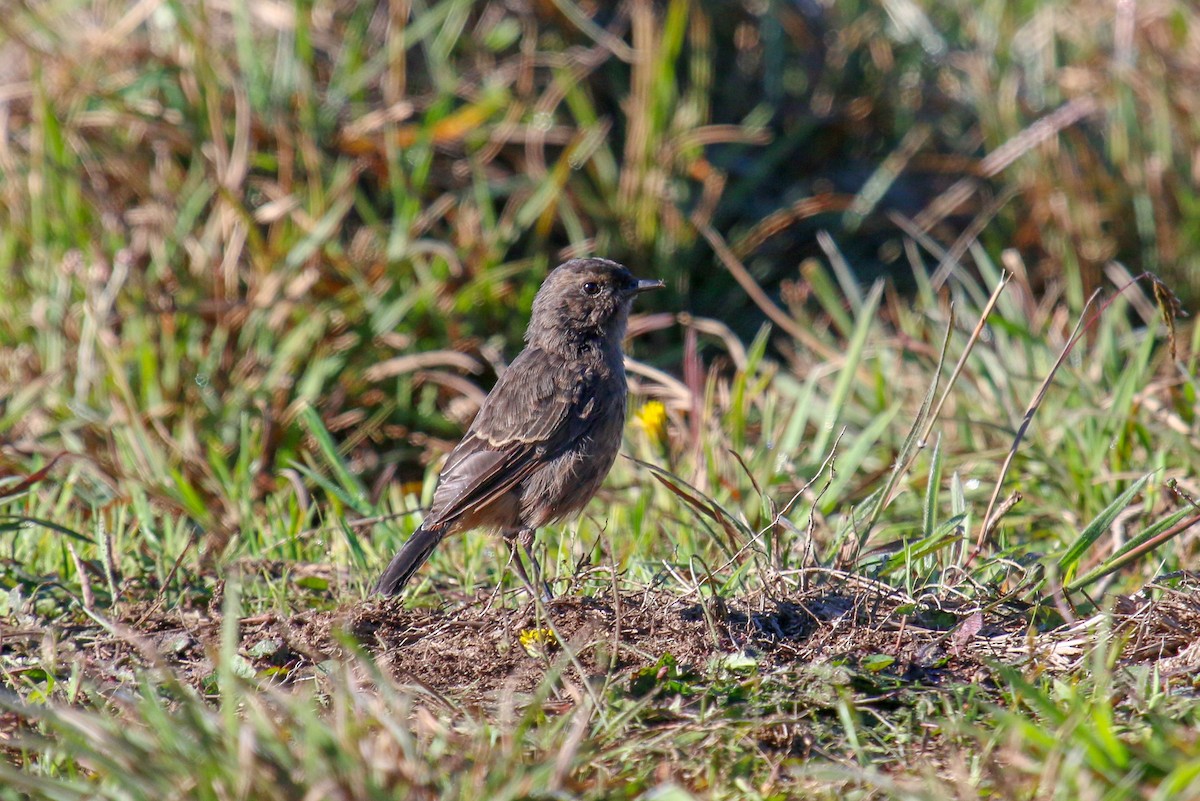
407 561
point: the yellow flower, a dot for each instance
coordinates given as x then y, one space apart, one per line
537 642
652 418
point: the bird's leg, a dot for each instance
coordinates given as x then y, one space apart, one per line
525 538
510 539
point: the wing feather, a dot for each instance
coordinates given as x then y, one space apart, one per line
532 415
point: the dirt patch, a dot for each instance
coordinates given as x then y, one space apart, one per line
476 652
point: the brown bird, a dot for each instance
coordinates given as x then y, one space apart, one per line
549 431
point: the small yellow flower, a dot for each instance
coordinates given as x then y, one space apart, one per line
536 642
652 418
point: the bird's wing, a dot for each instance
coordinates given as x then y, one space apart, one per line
531 416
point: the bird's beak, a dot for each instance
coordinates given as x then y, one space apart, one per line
646 284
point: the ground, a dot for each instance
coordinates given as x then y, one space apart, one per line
484 650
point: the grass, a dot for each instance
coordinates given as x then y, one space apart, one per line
260 265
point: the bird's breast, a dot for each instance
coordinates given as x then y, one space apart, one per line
569 479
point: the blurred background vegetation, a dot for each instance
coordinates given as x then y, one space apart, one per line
215 215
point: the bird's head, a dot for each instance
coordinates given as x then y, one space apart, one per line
584 300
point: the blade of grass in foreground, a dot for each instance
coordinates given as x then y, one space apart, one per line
348 487
845 382
1158 534
1098 526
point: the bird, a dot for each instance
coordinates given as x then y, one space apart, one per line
548 432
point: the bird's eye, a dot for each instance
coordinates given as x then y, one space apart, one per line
591 288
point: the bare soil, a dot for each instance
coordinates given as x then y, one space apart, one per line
476 652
